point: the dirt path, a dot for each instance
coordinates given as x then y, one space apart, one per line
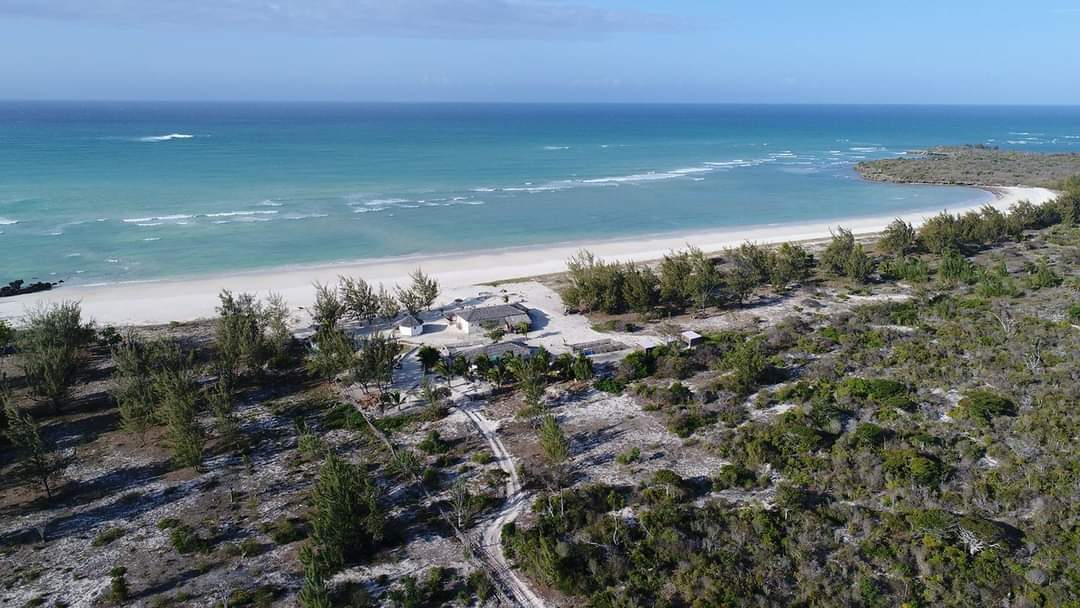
517 500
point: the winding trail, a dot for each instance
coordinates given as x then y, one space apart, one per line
517 500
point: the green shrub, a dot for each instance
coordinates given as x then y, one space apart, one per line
844 257
628 456
107 536
1074 313
983 405
285 531
185 540
1042 276
940 233
609 385
637 365
995 282
434 444
955 268
899 238
905 268
731 476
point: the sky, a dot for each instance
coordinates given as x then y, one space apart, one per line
715 51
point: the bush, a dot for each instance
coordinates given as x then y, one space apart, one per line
898 238
995 282
955 268
637 365
983 405
910 269
185 540
788 264
844 257
940 233
628 456
434 444
285 531
732 476
107 536
609 385
1074 313
1042 276
748 363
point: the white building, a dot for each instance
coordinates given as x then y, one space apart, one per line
410 326
481 319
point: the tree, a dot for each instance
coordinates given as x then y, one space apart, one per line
553 441
789 264
347 521
332 353
640 289
424 290
705 279
7 335
433 395
583 368
899 238
39 462
388 306
278 339
138 363
675 272
328 309
444 368
844 257
180 411
375 363
752 261
940 233
359 299
747 363
239 339
531 374
51 348
429 356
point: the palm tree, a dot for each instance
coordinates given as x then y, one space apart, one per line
394 398
444 368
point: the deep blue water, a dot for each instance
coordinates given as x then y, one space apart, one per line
118 191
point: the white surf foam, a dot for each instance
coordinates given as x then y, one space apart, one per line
240 213
161 218
168 137
7 221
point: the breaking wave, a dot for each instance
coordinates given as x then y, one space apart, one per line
169 137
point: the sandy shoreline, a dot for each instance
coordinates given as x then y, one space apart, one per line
163 301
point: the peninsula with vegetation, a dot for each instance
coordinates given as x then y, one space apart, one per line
977 165
883 420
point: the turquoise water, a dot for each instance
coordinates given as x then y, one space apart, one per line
101 192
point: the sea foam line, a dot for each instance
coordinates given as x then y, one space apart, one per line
168 137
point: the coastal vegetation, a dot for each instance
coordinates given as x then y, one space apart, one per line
974 166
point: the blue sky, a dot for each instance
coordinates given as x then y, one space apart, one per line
943 51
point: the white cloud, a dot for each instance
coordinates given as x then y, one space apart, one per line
422 18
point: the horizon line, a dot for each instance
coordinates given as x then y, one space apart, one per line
538 102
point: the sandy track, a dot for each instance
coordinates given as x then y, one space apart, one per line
517 500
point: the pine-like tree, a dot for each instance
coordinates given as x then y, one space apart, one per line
348 520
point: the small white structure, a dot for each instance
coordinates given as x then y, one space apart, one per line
410 326
480 319
691 338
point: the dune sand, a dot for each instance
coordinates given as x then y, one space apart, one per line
154 302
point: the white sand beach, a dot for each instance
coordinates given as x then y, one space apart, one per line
157 302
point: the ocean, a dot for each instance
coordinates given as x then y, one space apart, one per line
114 191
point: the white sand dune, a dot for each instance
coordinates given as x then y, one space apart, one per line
163 301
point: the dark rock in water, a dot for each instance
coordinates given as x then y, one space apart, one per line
17 288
